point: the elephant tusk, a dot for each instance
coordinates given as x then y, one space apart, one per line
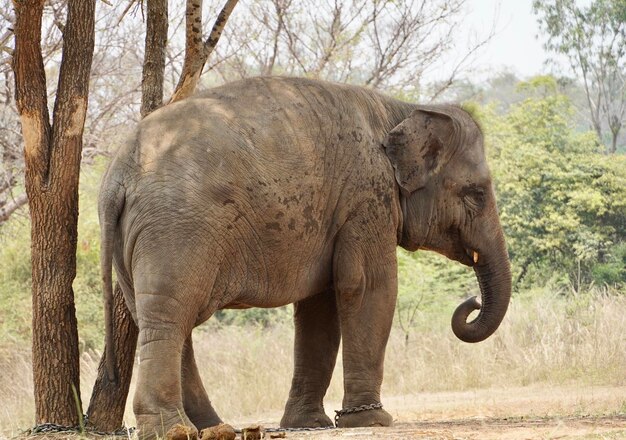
475 257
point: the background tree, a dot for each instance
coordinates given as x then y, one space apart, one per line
378 43
115 91
108 398
562 202
52 152
197 52
593 39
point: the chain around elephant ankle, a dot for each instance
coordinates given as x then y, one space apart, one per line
355 409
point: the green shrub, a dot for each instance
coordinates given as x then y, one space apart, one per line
613 271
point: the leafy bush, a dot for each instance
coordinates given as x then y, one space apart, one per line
613 270
15 277
256 317
562 202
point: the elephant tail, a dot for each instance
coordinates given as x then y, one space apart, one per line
110 208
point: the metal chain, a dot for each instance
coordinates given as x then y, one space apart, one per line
54 427
356 409
338 414
51 427
124 431
316 428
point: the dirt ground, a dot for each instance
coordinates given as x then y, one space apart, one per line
503 414
589 413
577 427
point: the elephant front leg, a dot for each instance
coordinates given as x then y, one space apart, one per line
366 295
316 345
195 399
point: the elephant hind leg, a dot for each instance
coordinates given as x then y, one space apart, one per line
315 353
195 399
163 328
158 396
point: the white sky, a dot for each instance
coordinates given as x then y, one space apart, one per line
515 44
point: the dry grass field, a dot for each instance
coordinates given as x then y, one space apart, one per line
553 370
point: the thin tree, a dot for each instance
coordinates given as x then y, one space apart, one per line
52 152
396 42
593 39
108 400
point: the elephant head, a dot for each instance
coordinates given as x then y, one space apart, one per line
449 206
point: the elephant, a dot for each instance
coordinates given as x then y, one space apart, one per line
276 190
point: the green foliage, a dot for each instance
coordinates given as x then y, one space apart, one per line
427 283
613 270
15 277
562 203
264 318
15 300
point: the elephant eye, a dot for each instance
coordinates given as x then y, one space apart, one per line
473 197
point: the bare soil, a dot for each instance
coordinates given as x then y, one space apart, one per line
529 413
498 414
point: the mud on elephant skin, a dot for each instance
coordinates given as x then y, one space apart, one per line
270 191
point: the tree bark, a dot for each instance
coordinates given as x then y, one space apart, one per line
197 53
108 399
613 149
52 158
154 61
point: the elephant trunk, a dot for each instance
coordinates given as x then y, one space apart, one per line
494 278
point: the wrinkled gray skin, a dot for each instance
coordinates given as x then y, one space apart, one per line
271 191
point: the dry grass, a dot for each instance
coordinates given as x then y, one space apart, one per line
247 370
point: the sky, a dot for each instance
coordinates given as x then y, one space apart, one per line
515 44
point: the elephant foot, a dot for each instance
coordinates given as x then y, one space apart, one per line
152 426
370 418
301 418
205 419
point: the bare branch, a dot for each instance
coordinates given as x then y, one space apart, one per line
131 3
195 55
11 206
4 39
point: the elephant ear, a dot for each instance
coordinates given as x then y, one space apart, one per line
419 145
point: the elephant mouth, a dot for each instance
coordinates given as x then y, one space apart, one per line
467 255
463 251
473 255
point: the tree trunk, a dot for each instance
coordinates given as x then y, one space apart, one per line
154 61
197 53
108 400
52 157
613 144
